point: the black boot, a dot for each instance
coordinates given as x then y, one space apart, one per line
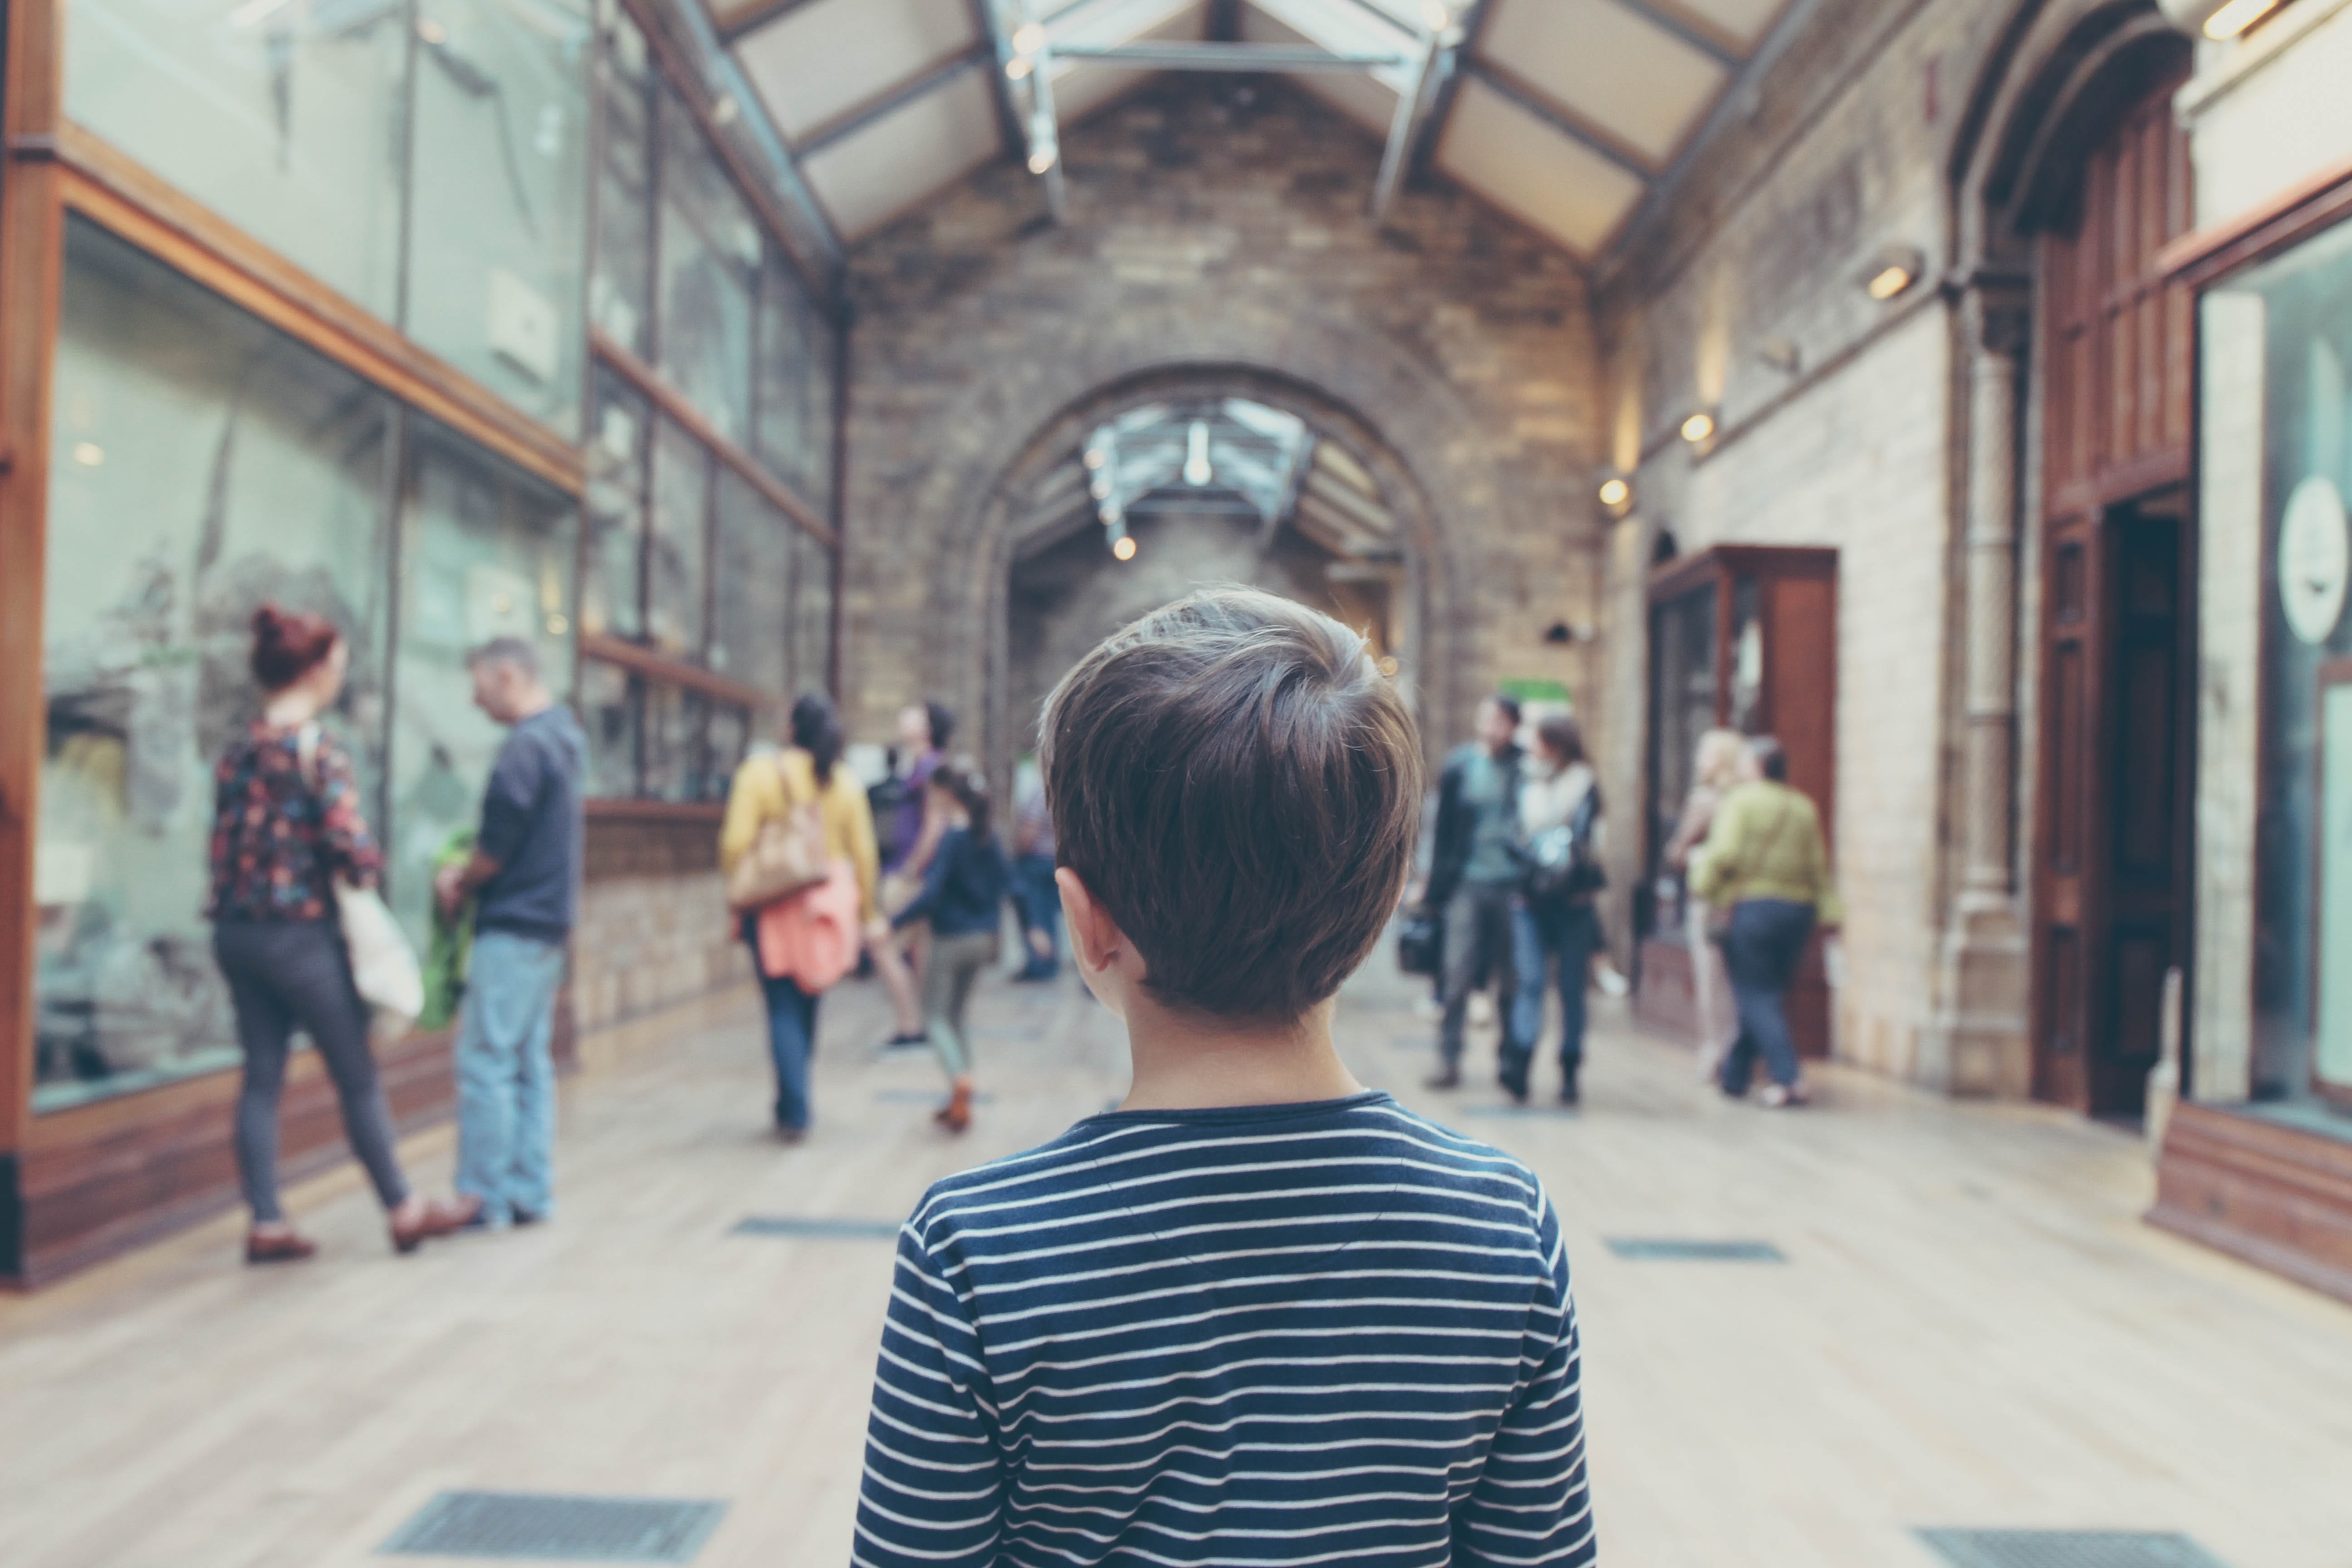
1447 1076
1568 1091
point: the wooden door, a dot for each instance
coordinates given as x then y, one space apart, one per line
2110 911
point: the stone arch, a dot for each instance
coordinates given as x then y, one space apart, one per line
2049 75
1401 418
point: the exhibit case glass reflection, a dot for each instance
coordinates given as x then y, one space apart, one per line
2276 339
203 464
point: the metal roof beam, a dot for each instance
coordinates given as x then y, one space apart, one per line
999 43
733 24
893 100
1552 115
1410 105
1667 20
1177 56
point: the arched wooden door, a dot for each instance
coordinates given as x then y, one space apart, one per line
2112 877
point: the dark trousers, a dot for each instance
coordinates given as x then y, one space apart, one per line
792 1036
1547 939
1762 950
1477 943
1038 903
285 975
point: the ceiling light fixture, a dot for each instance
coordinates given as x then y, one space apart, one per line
1123 549
1095 457
1892 272
88 454
1698 427
1029 37
1045 142
1019 66
1198 470
1615 493
1436 17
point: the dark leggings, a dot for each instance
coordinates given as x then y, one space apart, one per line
290 974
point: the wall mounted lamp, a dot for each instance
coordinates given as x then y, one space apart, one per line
1699 428
1892 272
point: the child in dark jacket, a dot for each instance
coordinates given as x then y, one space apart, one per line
963 897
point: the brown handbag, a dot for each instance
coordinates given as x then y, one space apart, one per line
787 857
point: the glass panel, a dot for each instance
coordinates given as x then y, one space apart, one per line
609 706
2278 423
612 581
813 611
202 464
499 215
727 741
710 250
678 542
795 374
1747 656
486 552
752 588
283 116
621 287
1682 701
674 757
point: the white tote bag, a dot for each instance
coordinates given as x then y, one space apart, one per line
383 966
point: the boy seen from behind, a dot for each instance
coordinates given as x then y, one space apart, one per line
1257 1314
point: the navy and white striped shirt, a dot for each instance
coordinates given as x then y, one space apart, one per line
1325 1333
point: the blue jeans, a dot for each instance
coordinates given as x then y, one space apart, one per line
1038 902
1762 950
1566 935
506 1079
792 1036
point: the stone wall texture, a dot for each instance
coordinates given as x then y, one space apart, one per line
1841 422
1218 227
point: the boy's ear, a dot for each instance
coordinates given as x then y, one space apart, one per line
1095 940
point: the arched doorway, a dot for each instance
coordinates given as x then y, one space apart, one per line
1167 482
2081 177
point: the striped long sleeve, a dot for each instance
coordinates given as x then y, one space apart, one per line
934 1480
1532 1503
1301 1335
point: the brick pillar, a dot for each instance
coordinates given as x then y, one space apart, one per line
1978 1044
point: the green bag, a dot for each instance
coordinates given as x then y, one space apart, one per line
452 947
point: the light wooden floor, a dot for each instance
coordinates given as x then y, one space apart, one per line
1972 1328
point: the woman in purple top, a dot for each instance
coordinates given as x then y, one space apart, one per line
909 839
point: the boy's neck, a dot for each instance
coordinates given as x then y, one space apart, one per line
1185 1063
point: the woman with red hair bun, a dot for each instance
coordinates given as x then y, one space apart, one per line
286 826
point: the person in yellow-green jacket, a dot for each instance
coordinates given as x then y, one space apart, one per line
1766 863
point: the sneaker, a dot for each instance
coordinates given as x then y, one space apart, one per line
1568 1093
1612 983
1482 1009
1514 1084
1444 1077
1781 1096
905 1042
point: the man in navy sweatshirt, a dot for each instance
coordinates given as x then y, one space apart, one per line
524 878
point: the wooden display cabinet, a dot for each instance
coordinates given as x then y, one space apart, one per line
1741 638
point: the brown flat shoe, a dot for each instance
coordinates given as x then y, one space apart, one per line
439 1219
289 1248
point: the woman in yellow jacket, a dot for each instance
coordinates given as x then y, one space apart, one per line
808 770
1766 864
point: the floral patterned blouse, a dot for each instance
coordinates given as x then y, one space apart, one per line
277 843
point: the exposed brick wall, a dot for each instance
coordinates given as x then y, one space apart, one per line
1219 225
653 921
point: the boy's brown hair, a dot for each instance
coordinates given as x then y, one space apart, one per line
1237 783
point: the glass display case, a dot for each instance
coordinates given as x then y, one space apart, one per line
2285 327
1741 638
